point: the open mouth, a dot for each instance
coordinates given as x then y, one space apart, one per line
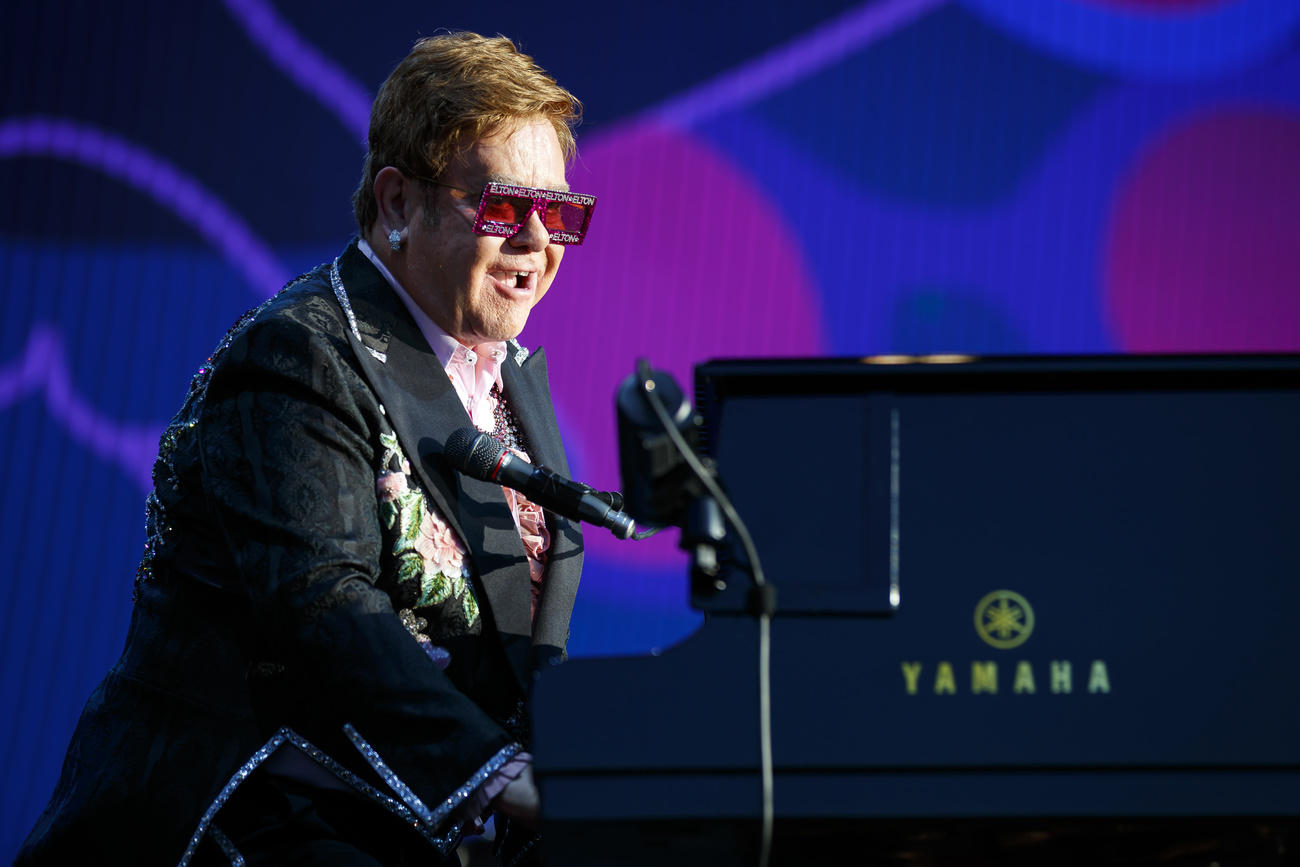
515 279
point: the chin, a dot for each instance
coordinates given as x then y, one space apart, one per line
491 335
512 329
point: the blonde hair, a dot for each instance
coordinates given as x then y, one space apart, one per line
449 92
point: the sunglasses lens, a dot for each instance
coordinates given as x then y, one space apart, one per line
506 209
565 217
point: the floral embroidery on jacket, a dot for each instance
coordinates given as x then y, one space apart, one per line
428 559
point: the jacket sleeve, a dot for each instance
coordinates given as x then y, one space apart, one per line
288 447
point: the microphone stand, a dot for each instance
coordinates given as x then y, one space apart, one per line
708 514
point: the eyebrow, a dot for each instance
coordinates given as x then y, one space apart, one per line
515 182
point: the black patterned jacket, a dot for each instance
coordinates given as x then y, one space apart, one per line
288 599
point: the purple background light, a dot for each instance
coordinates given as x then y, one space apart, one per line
151 174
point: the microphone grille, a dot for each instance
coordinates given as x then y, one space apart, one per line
473 452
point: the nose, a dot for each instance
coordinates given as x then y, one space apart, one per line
532 235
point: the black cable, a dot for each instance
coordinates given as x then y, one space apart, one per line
764 613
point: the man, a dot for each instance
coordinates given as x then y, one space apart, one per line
334 629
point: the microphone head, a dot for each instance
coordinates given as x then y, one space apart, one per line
473 452
657 482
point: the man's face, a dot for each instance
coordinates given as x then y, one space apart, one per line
479 288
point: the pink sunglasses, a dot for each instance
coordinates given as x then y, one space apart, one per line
505 208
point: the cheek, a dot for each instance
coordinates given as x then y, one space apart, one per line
554 253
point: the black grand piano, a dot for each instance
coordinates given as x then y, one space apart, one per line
1030 611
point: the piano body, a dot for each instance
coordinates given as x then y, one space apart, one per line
1030 611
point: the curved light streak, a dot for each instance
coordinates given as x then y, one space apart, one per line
304 64
781 67
789 63
42 367
155 177
1179 45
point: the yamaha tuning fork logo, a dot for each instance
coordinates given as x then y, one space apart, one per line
1005 620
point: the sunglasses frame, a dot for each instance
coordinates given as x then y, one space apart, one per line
540 198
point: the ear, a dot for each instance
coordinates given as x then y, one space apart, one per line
393 195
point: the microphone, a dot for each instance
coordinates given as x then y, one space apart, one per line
479 455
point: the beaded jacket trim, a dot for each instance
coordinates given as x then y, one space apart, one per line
424 822
227 847
432 818
521 352
158 526
336 282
